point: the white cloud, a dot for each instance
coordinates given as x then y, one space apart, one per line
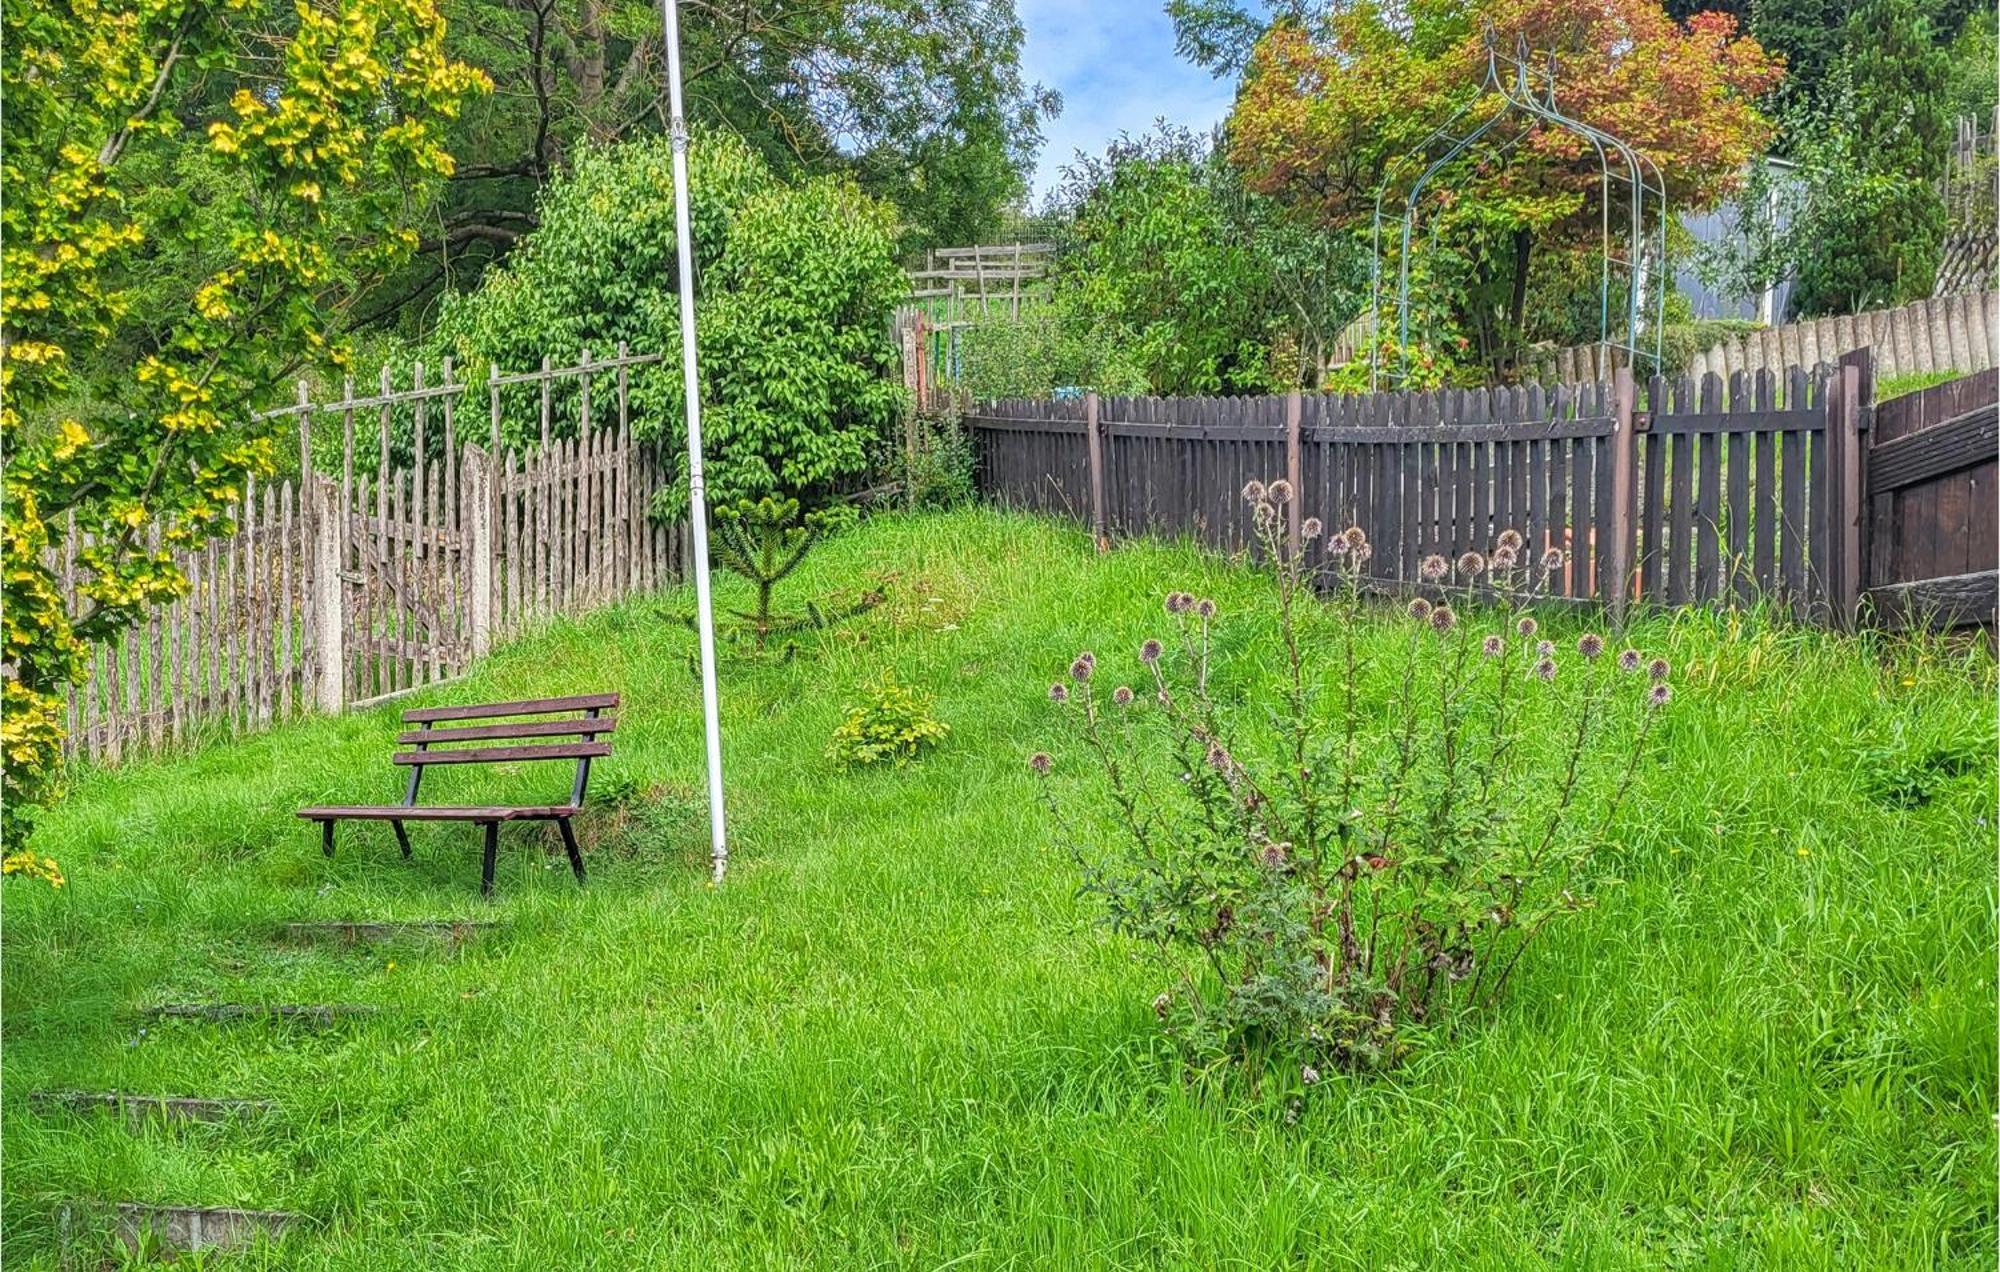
1115 66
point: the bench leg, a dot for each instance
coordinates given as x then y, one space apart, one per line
402 838
569 844
492 852
326 837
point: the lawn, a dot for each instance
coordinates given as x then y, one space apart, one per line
898 1037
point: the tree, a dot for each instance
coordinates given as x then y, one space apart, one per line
1326 110
326 122
921 101
797 283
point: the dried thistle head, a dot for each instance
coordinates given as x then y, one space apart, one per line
1630 660
1355 536
1433 568
1503 559
1443 620
1040 762
1590 645
1658 669
1362 553
1526 626
1149 652
1545 669
1509 540
1179 602
1660 694
1493 646
1553 559
1253 491
1264 514
1471 564
1279 492
1080 670
1058 692
1122 695
1310 529
1419 609
1273 856
1545 649
1205 607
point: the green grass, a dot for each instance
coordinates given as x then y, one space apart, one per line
1894 386
896 1037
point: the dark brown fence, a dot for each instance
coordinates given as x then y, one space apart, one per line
1933 540
1676 492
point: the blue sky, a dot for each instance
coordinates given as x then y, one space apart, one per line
1113 61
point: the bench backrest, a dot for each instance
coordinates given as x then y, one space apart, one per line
501 723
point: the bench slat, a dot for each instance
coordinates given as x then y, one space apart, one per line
529 706
523 729
438 812
503 754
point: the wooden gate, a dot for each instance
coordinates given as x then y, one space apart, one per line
404 582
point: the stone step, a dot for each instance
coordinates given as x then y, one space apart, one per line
318 1014
454 932
190 1229
139 1110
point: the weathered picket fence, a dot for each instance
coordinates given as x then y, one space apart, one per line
1684 492
343 591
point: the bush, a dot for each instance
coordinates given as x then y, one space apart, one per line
892 723
1318 884
798 284
1044 350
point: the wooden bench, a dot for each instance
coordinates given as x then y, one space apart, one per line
589 728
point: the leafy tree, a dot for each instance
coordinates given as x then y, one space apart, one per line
315 145
1326 108
921 101
797 285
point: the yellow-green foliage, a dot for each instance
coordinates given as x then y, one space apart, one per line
332 129
894 722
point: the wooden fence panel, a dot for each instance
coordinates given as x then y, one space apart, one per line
1929 492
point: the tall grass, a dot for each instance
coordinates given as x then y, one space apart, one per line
897 1037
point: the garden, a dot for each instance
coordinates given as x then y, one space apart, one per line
1488 825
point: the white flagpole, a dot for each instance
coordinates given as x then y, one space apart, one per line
697 500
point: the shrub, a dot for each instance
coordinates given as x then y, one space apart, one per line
892 723
1320 884
764 540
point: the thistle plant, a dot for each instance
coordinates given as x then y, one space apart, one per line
1365 847
764 541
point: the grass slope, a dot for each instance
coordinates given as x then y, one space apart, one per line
897 1038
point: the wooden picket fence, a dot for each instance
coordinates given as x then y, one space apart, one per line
1672 492
394 575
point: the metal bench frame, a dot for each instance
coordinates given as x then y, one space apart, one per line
590 728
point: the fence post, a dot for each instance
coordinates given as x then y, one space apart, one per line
479 546
1624 452
1843 539
1294 468
1094 448
328 608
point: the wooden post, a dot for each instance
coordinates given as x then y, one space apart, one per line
328 604
1843 540
1294 468
1624 453
1094 448
479 548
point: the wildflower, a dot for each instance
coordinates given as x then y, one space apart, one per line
1443 620
1363 552
1471 563
1308 1075
1179 602
1509 541
1552 559
1337 546
1310 528
1264 514
1420 609
1218 759
1253 492
1629 660
1279 492
1080 670
1433 568
1205 607
1526 625
1161 1004
1545 649
1503 559
1545 670
1590 644
1058 692
1040 762
1804 852
1660 695
1122 695
1657 669
1493 646
1273 856
1355 536
1376 861
1150 652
